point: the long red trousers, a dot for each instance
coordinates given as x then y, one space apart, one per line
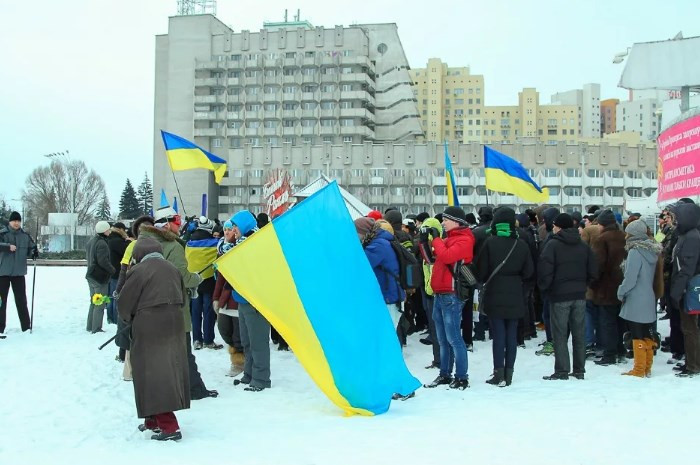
165 421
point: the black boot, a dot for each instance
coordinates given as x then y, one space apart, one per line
163 436
508 376
497 379
438 381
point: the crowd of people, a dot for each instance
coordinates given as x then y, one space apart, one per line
504 276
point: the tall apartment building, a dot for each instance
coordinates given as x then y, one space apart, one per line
587 100
529 122
450 101
608 118
280 85
639 116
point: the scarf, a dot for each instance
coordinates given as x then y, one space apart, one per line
503 230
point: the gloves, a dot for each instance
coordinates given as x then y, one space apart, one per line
434 232
192 291
424 234
35 253
115 295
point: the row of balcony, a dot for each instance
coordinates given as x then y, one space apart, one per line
298 78
297 130
262 62
298 113
316 96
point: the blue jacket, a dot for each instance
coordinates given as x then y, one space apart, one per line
385 265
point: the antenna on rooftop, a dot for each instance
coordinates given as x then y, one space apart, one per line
196 7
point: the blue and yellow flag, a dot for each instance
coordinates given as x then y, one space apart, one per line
320 293
452 198
184 155
503 174
200 254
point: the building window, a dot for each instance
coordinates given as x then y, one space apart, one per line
216 142
347 138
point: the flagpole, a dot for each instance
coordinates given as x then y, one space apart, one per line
178 193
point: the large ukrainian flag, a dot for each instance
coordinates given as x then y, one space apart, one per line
200 254
503 174
184 155
307 274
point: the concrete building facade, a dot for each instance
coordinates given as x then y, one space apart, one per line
299 85
587 100
530 122
608 118
450 101
639 116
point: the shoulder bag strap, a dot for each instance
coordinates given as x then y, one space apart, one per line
498 268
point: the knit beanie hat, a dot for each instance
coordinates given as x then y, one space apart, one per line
577 217
206 224
15 216
606 218
455 214
363 226
523 220
548 216
101 227
375 215
564 221
637 229
485 214
394 218
422 216
503 223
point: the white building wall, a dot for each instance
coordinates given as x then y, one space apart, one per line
588 102
639 116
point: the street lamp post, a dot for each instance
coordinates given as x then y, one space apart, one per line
66 156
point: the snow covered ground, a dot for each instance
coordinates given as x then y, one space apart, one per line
63 401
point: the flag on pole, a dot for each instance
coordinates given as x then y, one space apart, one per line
452 198
175 205
290 280
163 199
504 174
184 155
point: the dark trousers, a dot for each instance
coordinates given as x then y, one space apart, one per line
641 330
504 335
691 336
608 316
112 309
255 336
428 305
568 317
197 387
677 343
19 290
229 328
526 324
546 319
468 319
203 318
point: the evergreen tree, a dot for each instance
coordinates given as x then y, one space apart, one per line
5 212
145 195
129 207
103 211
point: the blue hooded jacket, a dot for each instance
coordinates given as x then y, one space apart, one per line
385 265
247 224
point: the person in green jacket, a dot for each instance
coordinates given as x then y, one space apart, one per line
428 261
165 231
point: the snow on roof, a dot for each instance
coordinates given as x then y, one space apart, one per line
356 208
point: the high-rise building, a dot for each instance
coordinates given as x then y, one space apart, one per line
639 116
280 85
530 122
450 101
587 100
608 119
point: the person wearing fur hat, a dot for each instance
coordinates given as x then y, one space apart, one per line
226 308
503 264
566 266
449 253
165 230
636 292
15 247
151 302
99 271
609 250
118 242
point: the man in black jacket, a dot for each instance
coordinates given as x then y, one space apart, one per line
99 271
566 266
686 264
481 233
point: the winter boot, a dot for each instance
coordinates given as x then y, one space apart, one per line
497 379
650 348
163 436
440 380
236 368
508 376
547 349
640 359
126 372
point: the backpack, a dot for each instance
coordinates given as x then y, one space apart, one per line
692 296
464 280
409 277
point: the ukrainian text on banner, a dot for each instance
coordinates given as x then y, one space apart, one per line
679 160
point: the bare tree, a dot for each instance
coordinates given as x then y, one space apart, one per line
62 187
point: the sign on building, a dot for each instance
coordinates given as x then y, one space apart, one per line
277 193
679 160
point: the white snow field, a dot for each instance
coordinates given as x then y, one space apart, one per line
63 402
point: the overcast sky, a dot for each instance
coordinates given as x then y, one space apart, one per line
77 75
